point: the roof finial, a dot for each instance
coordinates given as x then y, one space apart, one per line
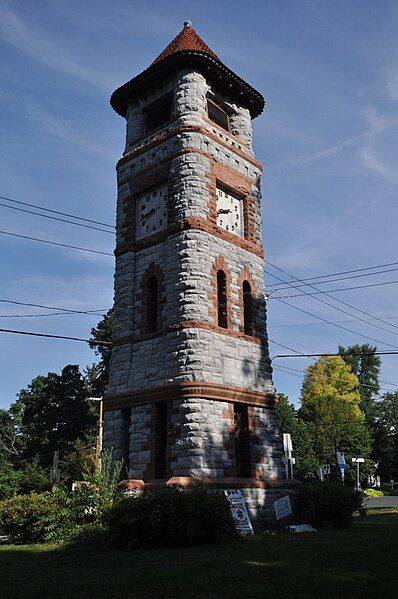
187 23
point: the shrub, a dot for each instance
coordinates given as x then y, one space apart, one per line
169 517
374 493
24 518
328 504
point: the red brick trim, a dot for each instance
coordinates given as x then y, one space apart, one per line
220 264
228 482
186 224
153 270
156 140
189 389
188 324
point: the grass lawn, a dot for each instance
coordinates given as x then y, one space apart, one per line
358 562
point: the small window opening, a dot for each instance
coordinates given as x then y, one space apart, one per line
247 309
222 310
160 446
217 115
242 441
159 114
152 305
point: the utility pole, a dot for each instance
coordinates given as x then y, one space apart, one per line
100 436
54 471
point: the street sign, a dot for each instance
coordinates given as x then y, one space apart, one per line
341 459
282 507
326 469
358 460
287 443
239 511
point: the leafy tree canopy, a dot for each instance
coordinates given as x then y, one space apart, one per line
366 366
386 447
289 422
53 413
331 408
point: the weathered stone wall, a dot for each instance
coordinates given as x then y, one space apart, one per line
193 155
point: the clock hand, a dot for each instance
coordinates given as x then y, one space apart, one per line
152 211
224 211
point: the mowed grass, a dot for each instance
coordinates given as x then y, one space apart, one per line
359 562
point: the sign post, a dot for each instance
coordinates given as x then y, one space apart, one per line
358 460
289 459
342 464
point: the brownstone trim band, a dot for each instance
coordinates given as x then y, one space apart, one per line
186 224
225 482
188 389
188 129
188 324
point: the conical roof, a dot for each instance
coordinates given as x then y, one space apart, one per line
186 41
188 48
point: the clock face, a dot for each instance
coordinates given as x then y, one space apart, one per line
230 212
151 212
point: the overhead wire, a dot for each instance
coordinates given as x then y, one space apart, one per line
344 272
97 312
90 341
320 292
56 218
65 245
89 220
336 307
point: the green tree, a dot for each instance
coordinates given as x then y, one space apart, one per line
53 413
98 374
330 405
289 422
366 366
386 447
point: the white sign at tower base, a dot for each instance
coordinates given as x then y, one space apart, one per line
239 511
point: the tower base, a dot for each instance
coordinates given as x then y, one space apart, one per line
259 495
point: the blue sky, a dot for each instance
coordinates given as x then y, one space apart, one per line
328 142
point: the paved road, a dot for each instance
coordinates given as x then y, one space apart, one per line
382 501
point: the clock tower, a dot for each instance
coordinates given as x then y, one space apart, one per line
190 393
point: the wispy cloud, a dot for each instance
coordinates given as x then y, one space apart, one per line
37 46
62 129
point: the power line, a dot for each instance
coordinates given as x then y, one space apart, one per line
49 314
314 324
369 274
343 380
300 355
344 272
97 312
336 325
89 220
65 245
91 341
335 307
334 290
63 220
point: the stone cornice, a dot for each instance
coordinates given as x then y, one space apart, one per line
190 389
162 137
184 325
188 224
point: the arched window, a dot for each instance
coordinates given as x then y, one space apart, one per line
222 308
247 308
242 441
160 439
152 305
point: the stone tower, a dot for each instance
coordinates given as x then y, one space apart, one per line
190 393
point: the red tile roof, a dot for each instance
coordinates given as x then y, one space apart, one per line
186 40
